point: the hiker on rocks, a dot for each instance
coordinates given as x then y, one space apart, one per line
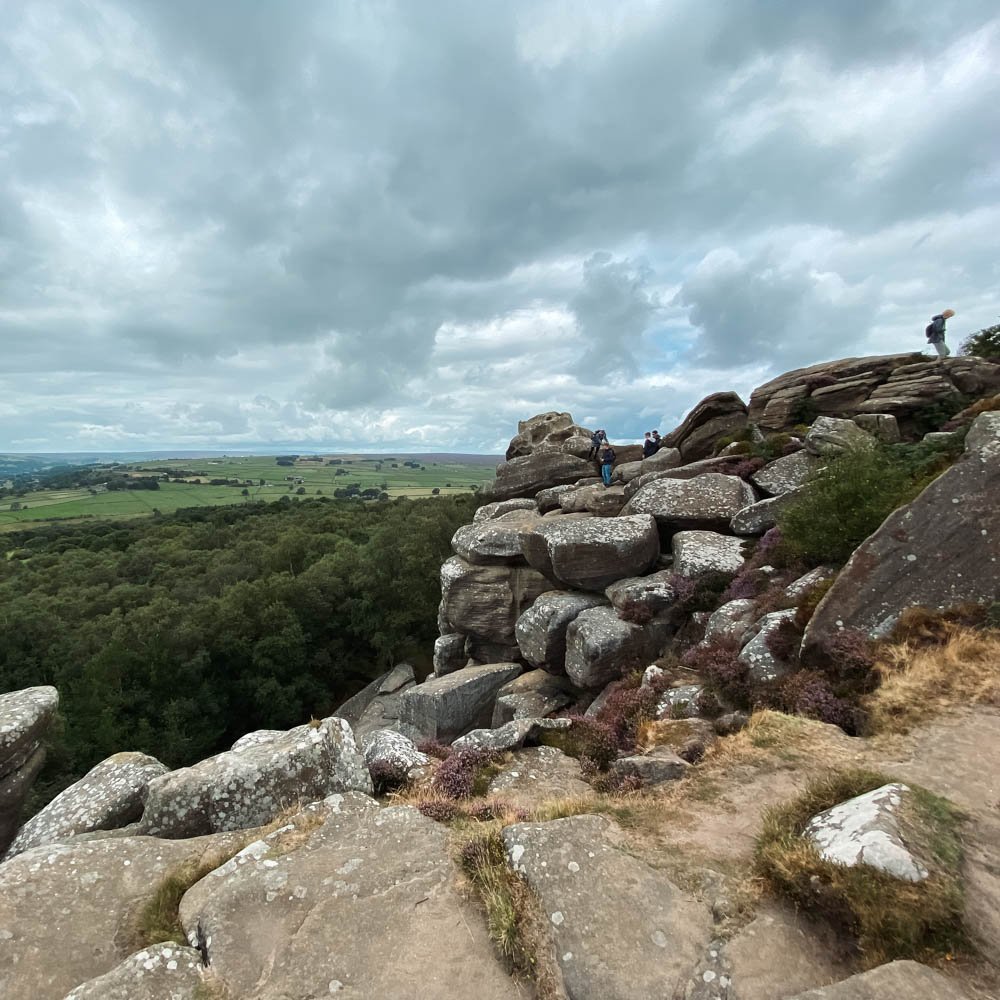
657 440
596 440
649 445
608 457
935 332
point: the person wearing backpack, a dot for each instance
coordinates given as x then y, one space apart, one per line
608 457
935 332
649 446
596 440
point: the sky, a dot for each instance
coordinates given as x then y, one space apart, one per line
399 226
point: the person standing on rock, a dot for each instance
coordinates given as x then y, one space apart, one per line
596 440
608 457
935 332
649 445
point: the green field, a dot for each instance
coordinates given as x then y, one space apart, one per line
442 473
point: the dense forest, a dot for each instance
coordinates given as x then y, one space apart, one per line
178 634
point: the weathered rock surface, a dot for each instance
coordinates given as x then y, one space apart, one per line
708 502
509 736
719 415
661 460
600 647
533 695
548 499
250 786
109 796
761 516
366 906
541 630
687 738
788 473
882 426
808 581
164 971
833 436
377 706
445 707
548 432
591 554
866 830
619 928
491 511
894 981
524 477
91 892
539 773
730 620
387 749
486 601
656 767
496 541
481 651
639 598
941 550
699 552
25 717
449 654
680 701
761 662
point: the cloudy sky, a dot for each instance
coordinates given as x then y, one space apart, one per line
367 224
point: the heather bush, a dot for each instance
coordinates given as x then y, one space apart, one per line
783 641
748 467
461 774
439 810
701 593
493 809
808 693
589 740
849 656
626 707
718 663
388 776
434 748
608 783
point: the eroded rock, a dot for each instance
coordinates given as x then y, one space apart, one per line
600 647
700 552
161 971
533 695
707 502
541 630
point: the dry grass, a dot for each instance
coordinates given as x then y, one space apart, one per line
888 917
919 682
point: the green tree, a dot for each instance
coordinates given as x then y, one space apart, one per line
984 344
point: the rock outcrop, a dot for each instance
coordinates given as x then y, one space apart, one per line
600 648
25 717
708 502
939 551
720 415
549 432
541 630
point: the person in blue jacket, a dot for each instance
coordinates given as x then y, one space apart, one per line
935 332
608 457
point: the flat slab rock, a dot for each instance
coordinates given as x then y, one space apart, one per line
866 831
788 473
496 540
707 502
368 905
63 907
619 928
890 982
109 796
539 773
699 552
941 550
250 786
159 972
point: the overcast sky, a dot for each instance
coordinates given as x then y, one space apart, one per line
365 224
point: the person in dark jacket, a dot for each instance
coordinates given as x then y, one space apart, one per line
935 332
596 440
608 457
649 445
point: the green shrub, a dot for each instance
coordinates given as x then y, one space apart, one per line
984 344
888 917
845 502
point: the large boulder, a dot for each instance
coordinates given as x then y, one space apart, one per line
486 601
661 460
109 796
708 502
833 436
619 929
939 551
541 630
509 736
600 648
25 717
591 554
720 415
655 767
368 906
730 621
699 552
524 477
68 911
496 541
536 774
762 516
377 705
446 707
549 432
639 598
787 474
387 751
449 654
490 511
252 785
756 655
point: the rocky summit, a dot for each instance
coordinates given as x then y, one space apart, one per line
728 729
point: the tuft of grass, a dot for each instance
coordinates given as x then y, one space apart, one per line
887 917
920 681
513 914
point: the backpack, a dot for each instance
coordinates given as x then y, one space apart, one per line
930 331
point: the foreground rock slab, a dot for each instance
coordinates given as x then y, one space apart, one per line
620 929
537 774
109 796
894 981
67 912
941 550
164 971
250 786
367 906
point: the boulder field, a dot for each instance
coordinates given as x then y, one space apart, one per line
512 863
